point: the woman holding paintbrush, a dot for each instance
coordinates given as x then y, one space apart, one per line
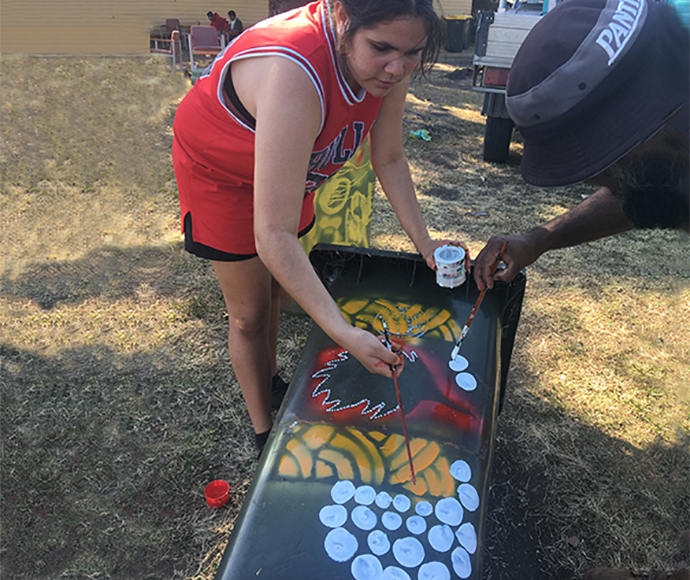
279 112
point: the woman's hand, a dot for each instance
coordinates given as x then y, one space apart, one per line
371 352
428 249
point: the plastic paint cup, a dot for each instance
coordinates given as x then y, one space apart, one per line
217 493
450 266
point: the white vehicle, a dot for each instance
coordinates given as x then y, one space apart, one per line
499 36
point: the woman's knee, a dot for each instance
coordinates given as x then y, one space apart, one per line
250 327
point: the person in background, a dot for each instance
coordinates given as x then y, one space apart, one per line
219 23
600 95
236 26
278 113
599 91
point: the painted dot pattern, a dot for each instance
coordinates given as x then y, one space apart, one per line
426 540
416 541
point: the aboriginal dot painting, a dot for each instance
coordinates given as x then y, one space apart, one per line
333 495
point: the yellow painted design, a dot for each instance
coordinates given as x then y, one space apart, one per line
353 306
401 318
323 451
343 204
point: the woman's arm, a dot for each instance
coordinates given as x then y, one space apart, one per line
286 106
393 172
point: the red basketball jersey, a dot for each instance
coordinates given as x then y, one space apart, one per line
213 150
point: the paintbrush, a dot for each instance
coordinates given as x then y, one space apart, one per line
397 394
477 304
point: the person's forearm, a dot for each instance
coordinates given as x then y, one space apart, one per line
284 256
599 216
396 183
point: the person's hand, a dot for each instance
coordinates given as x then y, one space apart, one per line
520 252
371 352
428 251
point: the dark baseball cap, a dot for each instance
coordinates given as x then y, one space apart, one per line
592 80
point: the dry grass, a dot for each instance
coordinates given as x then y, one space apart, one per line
119 403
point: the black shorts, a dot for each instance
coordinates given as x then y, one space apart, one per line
204 251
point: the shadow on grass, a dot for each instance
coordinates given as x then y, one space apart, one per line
106 451
565 497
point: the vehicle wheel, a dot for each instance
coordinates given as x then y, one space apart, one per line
497 139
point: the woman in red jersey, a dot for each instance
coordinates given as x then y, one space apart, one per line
278 112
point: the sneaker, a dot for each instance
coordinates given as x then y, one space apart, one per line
278 389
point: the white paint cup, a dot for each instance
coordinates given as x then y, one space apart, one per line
450 266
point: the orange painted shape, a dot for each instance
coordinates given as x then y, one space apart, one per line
420 489
441 483
393 443
317 436
426 456
323 469
340 461
303 457
377 462
288 466
358 454
377 435
416 445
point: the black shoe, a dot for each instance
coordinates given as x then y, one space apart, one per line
278 389
260 440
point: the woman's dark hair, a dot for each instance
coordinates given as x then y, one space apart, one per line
369 13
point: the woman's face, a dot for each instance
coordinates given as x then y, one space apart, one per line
378 58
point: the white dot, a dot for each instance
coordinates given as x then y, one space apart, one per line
366 567
416 525
391 521
383 500
459 363
467 536
461 470
441 538
468 496
409 552
340 545
363 518
433 571
466 381
461 563
394 573
378 542
343 491
424 508
401 503
333 516
365 494
449 511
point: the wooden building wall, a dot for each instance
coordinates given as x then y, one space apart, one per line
103 27
121 26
